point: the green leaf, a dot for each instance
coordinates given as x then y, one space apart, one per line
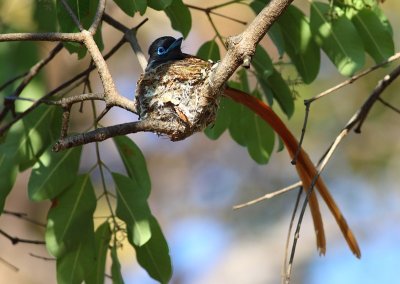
384 20
259 136
258 5
130 7
76 265
116 267
85 10
338 38
8 174
159 4
282 93
53 172
262 63
135 163
299 44
209 51
154 255
180 17
102 240
45 16
236 122
276 36
28 138
70 217
378 41
133 209
222 120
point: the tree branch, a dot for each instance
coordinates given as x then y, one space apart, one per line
101 134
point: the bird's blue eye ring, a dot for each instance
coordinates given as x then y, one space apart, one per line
161 50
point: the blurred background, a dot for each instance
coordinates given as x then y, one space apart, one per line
196 182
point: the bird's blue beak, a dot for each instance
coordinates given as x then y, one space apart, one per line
175 45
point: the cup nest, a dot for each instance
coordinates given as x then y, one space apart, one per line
175 92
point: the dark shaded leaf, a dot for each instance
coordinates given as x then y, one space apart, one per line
262 63
159 4
276 36
116 267
282 93
102 240
130 7
180 17
209 51
299 43
45 16
154 255
8 174
135 163
222 120
259 136
85 10
76 265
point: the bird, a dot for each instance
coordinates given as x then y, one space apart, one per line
171 89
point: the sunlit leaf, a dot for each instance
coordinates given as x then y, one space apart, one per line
133 209
154 255
53 172
70 217
377 39
338 38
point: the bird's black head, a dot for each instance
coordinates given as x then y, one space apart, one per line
164 49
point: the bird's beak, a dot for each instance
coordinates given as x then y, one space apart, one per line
175 45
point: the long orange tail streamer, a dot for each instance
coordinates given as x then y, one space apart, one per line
305 169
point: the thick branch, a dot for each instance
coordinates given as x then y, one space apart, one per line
101 134
244 44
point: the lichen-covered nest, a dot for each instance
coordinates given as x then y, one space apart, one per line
173 92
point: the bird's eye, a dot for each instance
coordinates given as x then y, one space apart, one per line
161 50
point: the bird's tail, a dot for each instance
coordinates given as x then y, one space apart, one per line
305 169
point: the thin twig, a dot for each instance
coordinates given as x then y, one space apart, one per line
354 78
24 217
296 206
28 76
16 240
42 257
269 195
207 10
357 119
11 266
385 103
303 132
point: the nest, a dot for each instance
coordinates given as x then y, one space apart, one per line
173 92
